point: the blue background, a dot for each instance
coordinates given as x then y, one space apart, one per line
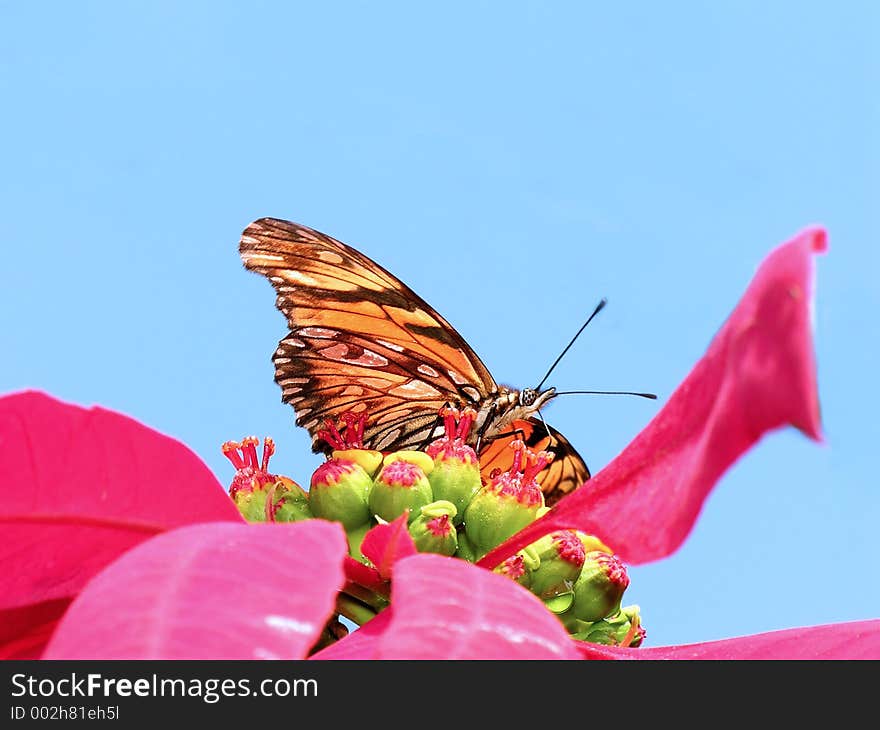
512 163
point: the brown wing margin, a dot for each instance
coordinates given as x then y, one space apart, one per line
564 474
359 338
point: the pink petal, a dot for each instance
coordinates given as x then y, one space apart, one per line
211 591
25 631
385 544
364 575
446 608
84 486
360 644
757 375
854 640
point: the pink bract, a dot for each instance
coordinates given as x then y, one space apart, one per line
210 591
758 374
385 544
82 487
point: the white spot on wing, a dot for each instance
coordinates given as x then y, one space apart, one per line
390 345
472 392
415 389
300 277
389 438
331 257
456 378
368 358
320 333
428 370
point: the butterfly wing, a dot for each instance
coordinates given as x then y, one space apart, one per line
565 473
359 339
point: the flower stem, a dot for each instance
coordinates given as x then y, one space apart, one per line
353 609
369 597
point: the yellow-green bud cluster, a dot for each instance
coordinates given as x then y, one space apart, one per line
453 511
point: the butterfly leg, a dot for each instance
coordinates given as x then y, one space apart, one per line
481 432
518 432
430 437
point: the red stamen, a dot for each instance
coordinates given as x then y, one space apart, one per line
518 448
449 416
467 418
249 451
268 450
250 473
535 463
230 451
354 429
332 436
349 434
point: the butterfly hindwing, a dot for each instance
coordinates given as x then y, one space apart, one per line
566 472
359 339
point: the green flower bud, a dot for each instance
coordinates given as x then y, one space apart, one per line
355 537
623 628
259 495
419 458
400 486
600 586
466 549
294 503
591 543
456 473
340 491
560 558
509 502
559 603
369 459
515 569
433 530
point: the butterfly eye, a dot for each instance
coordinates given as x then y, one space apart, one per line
528 396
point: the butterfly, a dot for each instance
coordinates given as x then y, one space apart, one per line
360 340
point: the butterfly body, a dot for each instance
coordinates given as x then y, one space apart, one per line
361 340
501 410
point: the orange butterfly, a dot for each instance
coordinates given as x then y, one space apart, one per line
360 340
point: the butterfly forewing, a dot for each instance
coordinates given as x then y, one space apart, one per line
359 339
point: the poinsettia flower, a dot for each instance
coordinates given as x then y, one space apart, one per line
99 535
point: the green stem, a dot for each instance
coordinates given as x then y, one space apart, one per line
365 595
353 609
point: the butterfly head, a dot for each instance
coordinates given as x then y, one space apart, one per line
535 399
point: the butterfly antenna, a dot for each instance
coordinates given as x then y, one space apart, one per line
599 307
652 396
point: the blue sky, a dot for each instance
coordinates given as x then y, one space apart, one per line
513 167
